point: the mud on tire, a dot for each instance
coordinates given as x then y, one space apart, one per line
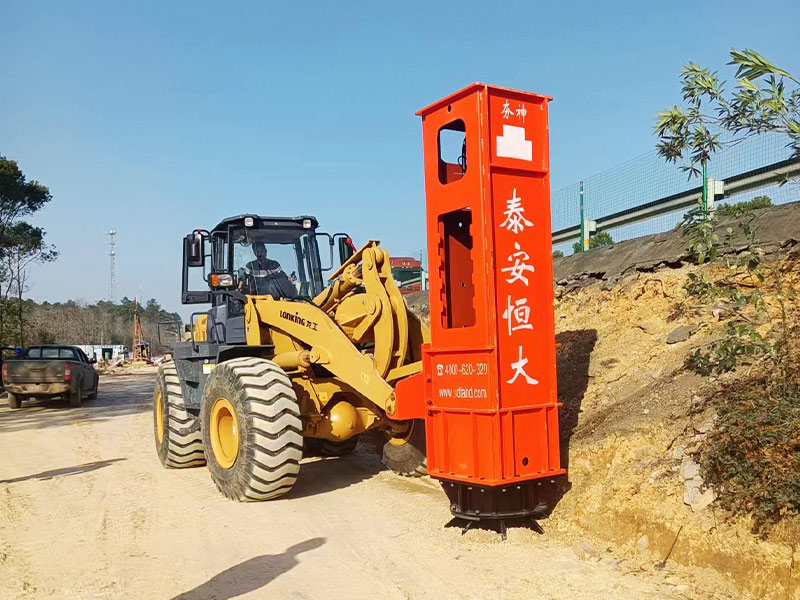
179 442
268 440
407 456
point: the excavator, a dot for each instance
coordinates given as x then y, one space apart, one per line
308 342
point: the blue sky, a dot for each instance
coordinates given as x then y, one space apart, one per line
154 118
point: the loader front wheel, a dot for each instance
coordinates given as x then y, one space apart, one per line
251 429
179 443
404 453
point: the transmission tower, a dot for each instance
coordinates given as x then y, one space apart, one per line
112 257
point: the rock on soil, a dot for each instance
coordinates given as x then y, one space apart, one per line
681 334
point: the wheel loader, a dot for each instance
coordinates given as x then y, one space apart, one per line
309 343
281 357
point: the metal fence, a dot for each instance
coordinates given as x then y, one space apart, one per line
647 195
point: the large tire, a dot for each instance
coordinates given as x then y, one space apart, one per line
14 401
406 455
330 447
179 442
251 429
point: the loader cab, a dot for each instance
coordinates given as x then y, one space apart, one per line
285 257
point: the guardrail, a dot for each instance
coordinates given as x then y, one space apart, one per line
754 179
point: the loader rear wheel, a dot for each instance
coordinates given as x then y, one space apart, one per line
405 453
14 401
251 429
330 447
179 442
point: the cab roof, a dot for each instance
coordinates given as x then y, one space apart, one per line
262 220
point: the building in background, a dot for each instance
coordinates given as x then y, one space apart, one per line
407 273
104 351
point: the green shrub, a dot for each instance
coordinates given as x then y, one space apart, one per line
734 210
753 455
558 254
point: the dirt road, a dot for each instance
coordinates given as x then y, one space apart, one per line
87 511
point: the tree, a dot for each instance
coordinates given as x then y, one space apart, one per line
765 98
596 241
745 455
18 198
21 244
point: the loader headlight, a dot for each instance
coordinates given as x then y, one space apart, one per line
220 280
306 223
248 221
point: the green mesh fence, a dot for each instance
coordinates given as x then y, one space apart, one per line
648 180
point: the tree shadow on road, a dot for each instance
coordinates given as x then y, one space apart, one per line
65 471
251 574
118 396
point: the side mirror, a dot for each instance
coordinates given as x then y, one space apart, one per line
329 238
346 249
194 247
92 360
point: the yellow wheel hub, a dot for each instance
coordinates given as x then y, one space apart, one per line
224 432
159 410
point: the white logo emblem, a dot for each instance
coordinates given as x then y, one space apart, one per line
512 144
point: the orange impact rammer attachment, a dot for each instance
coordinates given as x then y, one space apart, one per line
490 371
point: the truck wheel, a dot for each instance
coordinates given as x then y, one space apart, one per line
251 429
405 454
75 397
179 443
14 401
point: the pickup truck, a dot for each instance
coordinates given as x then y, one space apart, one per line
50 371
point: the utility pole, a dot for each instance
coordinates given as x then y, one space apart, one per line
112 256
704 197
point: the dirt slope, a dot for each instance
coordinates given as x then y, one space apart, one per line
633 420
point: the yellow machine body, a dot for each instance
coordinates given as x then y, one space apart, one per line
345 350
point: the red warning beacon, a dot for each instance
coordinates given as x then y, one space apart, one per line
489 371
